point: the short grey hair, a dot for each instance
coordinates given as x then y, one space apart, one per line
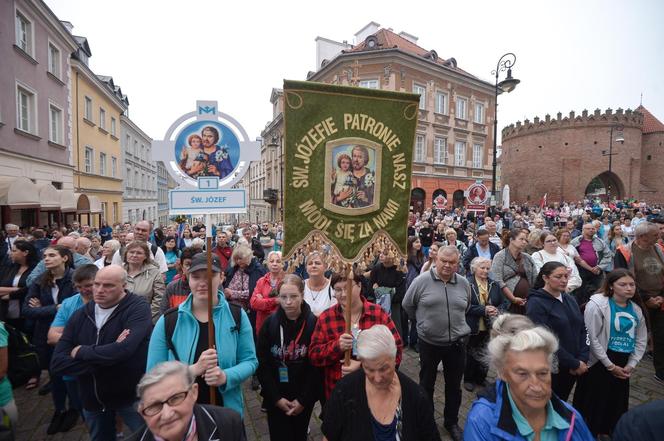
375 342
11 227
476 262
113 244
273 253
517 335
197 242
163 370
449 249
645 228
242 252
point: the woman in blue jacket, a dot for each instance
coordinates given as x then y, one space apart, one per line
182 334
549 305
520 406
40 305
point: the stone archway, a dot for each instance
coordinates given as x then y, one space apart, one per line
417 197
605 184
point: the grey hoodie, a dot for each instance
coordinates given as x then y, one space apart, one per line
438 307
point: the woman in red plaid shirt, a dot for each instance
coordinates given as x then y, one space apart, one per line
329 340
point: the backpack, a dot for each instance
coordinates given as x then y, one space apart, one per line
171 319
23 362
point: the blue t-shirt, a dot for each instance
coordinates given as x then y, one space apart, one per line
624 321
483 253
68 308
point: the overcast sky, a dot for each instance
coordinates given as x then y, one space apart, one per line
572 55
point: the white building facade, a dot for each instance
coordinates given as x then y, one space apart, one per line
139 200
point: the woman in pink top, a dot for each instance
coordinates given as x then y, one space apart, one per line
264 299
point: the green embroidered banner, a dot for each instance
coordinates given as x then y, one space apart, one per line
348 155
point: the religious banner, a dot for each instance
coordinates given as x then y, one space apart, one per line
348 155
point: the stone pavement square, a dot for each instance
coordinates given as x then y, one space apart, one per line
35 411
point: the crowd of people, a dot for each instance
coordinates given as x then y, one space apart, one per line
558 301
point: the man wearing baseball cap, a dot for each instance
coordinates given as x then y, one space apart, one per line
182 334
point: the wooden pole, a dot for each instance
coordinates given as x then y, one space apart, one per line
347 312
211 341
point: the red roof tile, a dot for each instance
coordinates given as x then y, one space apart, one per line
389 40
650 123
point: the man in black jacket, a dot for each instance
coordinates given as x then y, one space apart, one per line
168 396
482 247
254 244
104 345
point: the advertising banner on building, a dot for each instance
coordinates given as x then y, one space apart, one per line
348 154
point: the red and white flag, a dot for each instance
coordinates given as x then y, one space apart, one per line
543 201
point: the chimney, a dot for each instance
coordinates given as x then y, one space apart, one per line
409 37
367 30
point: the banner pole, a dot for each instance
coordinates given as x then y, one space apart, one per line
211 341
349 294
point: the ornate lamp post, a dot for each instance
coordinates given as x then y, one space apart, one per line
506 62
621 139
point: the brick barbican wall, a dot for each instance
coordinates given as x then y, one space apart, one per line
652 165
560 156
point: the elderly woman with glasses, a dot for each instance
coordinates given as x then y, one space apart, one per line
377 402
168 405
520 406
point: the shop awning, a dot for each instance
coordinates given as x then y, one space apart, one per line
95 204
49 198
18 193
67 201
82 203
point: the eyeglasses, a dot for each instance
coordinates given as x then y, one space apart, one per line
172 401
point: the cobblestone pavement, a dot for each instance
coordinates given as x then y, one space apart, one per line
36 411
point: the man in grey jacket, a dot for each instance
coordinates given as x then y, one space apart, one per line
438 301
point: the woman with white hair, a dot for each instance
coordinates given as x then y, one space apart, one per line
107 252
377 402
167 403
486 302
520 405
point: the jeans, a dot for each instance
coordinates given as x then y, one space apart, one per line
454 360
102 423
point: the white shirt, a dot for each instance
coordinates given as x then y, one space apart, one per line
101 315
54 293
159 258
541 257
321 300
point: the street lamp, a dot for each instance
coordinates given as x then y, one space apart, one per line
621 139
274 143
507 85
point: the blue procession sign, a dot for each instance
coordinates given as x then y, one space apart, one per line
207 201
206 143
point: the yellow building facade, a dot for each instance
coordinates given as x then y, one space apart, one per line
97 153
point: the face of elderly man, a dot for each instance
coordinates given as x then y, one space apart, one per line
528 374
172 421
447 262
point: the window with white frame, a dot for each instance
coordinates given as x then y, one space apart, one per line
130 181
440 150
441 103
104 210
102 118
460 153
55 124
102 164
26 110
419 148
137 183
461 108
88 108
89 160
54 60
114 167
422 91
479 113
135 148
477 155
113 126
24 33
115 211
143 152
369 84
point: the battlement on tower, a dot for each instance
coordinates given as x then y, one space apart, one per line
629 118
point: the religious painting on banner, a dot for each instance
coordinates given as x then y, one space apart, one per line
348 155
